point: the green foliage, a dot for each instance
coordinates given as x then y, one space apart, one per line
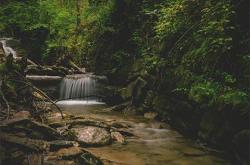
204 93
153 63
234 98
18 15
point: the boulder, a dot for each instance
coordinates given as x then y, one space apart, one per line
92 136
136 90
118 137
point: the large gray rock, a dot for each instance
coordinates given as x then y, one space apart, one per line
92 136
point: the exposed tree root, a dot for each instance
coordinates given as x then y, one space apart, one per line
40 92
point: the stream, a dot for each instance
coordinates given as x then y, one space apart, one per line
151 144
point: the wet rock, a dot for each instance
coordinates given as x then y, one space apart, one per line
89 159
22 114
118 124
57 124
124 132
87 122
68 153
150 115
119 107
159 125
78 117
56 117
135 90
92 136
58 144
118 137
71 156
33 159
60 162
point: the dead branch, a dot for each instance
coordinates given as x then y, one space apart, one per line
40 92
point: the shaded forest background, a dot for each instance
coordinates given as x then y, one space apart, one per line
189 60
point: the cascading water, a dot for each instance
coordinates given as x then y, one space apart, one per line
80 87
7 49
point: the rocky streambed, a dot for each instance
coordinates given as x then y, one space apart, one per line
124 138
93 134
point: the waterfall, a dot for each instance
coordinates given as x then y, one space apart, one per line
84 87
7 49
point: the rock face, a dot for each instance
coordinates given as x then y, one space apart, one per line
92 136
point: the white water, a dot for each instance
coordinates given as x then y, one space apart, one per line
7 49
79 102
79 89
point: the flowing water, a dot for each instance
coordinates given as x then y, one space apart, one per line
7 49
150 145
83 87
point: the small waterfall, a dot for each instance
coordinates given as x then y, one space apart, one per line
83 87
7 49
